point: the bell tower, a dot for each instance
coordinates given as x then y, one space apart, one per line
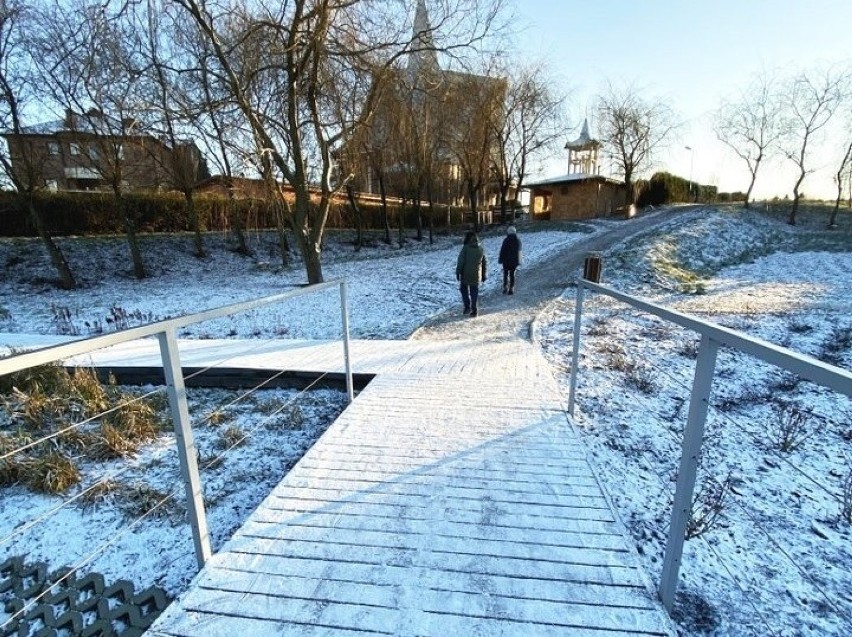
584 154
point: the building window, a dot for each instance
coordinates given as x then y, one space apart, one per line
52 184
75 149
93 153
52 148
120 151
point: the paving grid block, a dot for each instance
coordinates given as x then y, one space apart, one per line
72 606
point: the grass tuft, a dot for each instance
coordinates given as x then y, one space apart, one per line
50 473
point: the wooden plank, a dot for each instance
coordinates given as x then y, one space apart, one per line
452 497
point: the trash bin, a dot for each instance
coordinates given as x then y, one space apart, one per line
593 267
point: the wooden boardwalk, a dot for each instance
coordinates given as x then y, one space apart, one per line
451 498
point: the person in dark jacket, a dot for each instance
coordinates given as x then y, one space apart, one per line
510 258
470 270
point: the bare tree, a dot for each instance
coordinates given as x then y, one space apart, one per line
217 121
317 61
170 112
811 102
24 163
751 126
529 126
632 128
89 57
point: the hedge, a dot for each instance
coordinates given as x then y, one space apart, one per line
87 213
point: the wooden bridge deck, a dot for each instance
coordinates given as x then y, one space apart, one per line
451 498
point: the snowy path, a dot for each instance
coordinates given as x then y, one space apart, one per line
451 498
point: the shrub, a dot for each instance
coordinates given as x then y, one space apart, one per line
799 326
598 326
791 427
688 348
101 492
642 378
707 506
140 498
836 345
232 437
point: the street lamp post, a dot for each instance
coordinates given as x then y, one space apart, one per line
691 163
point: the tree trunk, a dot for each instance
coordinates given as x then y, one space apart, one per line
57 258
431 213
192 215
359 222
746 204
313 266
418 214
401 215
792 218
472 199
832 222
283 243
237 228
504 191
385 215
132 240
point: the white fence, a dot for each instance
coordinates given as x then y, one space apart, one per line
712 338
166 331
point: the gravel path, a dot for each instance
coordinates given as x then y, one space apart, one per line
503 316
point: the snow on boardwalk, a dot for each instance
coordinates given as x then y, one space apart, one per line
451 498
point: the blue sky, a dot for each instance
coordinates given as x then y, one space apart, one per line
691 54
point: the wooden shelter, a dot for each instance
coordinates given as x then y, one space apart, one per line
582 193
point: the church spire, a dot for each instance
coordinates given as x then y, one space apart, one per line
424 59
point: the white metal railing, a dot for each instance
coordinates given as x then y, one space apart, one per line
166 332
712 338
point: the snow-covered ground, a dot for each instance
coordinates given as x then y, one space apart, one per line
391 292
777 561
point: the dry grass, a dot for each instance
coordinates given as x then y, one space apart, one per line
49 401
140 498
50 473
102 492
232 437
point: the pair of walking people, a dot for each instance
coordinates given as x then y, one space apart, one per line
471 267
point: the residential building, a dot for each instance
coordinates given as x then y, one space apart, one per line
92 151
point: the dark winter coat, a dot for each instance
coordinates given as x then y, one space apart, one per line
510 252
470 267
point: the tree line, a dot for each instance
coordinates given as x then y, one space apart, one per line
283 92
786 117
311 95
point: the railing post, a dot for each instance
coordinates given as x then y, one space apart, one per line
344 315
185 444
693 435
575 356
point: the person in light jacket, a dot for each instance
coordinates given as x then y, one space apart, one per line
470 270
510 258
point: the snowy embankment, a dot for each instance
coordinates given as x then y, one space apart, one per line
389 295
776 556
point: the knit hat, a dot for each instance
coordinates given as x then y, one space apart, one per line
511 230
